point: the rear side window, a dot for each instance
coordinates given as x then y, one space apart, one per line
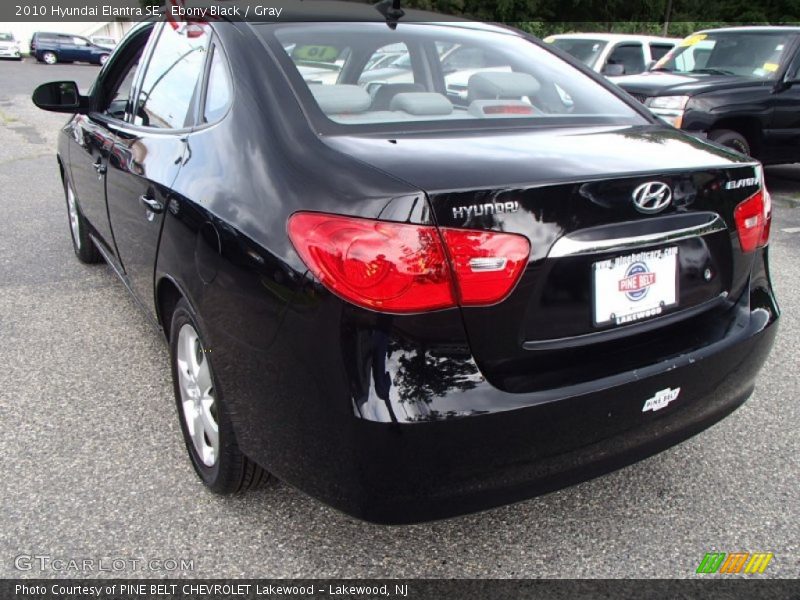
630 56
219 92
368 75
171 84
658 51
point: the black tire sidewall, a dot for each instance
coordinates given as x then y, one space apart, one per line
733 140
86 252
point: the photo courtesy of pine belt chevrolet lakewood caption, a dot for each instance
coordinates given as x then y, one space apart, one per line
409 299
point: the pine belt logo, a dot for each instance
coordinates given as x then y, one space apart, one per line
637 281
735 562
661 399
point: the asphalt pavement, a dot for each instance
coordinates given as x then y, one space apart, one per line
93 465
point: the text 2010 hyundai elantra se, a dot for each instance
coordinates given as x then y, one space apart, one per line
477 274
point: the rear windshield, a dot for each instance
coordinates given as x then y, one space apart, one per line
6 37
368 75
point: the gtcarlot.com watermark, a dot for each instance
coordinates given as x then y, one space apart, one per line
113 564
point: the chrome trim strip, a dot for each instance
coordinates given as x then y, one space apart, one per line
567 246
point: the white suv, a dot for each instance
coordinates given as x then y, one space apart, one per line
614 54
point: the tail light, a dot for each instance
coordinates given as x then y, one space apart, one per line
402 268
753 218
486 265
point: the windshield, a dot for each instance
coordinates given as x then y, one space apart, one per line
584 50
739 53
6 37
473 76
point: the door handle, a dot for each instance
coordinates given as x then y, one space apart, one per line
151 204
99 167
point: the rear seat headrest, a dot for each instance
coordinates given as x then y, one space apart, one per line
383 93
341 98
421 103
497 85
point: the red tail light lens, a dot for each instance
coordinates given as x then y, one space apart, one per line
384 266
401 268
487 265
753 218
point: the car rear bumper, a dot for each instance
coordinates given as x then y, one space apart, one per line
390 419
410 472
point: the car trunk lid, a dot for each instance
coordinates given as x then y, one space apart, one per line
609 287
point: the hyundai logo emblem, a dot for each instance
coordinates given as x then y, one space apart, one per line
652 197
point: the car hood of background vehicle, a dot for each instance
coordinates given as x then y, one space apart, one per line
481 159
660 83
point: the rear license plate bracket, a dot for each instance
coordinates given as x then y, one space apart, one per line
634 287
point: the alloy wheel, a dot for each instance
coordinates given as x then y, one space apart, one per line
74 218
197 395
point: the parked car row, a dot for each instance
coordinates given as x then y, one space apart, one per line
52 48
739 87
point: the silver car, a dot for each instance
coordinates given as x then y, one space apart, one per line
9 46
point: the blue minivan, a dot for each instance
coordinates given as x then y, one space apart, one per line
51 48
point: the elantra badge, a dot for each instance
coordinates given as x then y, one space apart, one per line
652 197
661 399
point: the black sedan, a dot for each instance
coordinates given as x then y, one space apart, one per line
408 302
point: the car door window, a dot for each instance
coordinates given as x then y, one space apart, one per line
218 92
658 51
120 93
630 56
171 84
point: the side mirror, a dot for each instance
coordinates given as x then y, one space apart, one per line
60 96
613 70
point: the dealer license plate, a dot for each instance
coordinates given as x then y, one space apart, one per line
636 286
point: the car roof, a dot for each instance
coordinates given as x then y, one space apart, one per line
753 28
315 11
613 37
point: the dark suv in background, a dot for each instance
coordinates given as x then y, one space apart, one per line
51 48
738 86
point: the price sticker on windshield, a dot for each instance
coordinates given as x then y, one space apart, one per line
694 39
317 53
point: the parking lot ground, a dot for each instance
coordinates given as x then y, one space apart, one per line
94 466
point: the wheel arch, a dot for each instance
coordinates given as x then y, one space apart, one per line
168 294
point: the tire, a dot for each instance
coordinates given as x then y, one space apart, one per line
102 60
49 58
82 244
730 139
202 412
